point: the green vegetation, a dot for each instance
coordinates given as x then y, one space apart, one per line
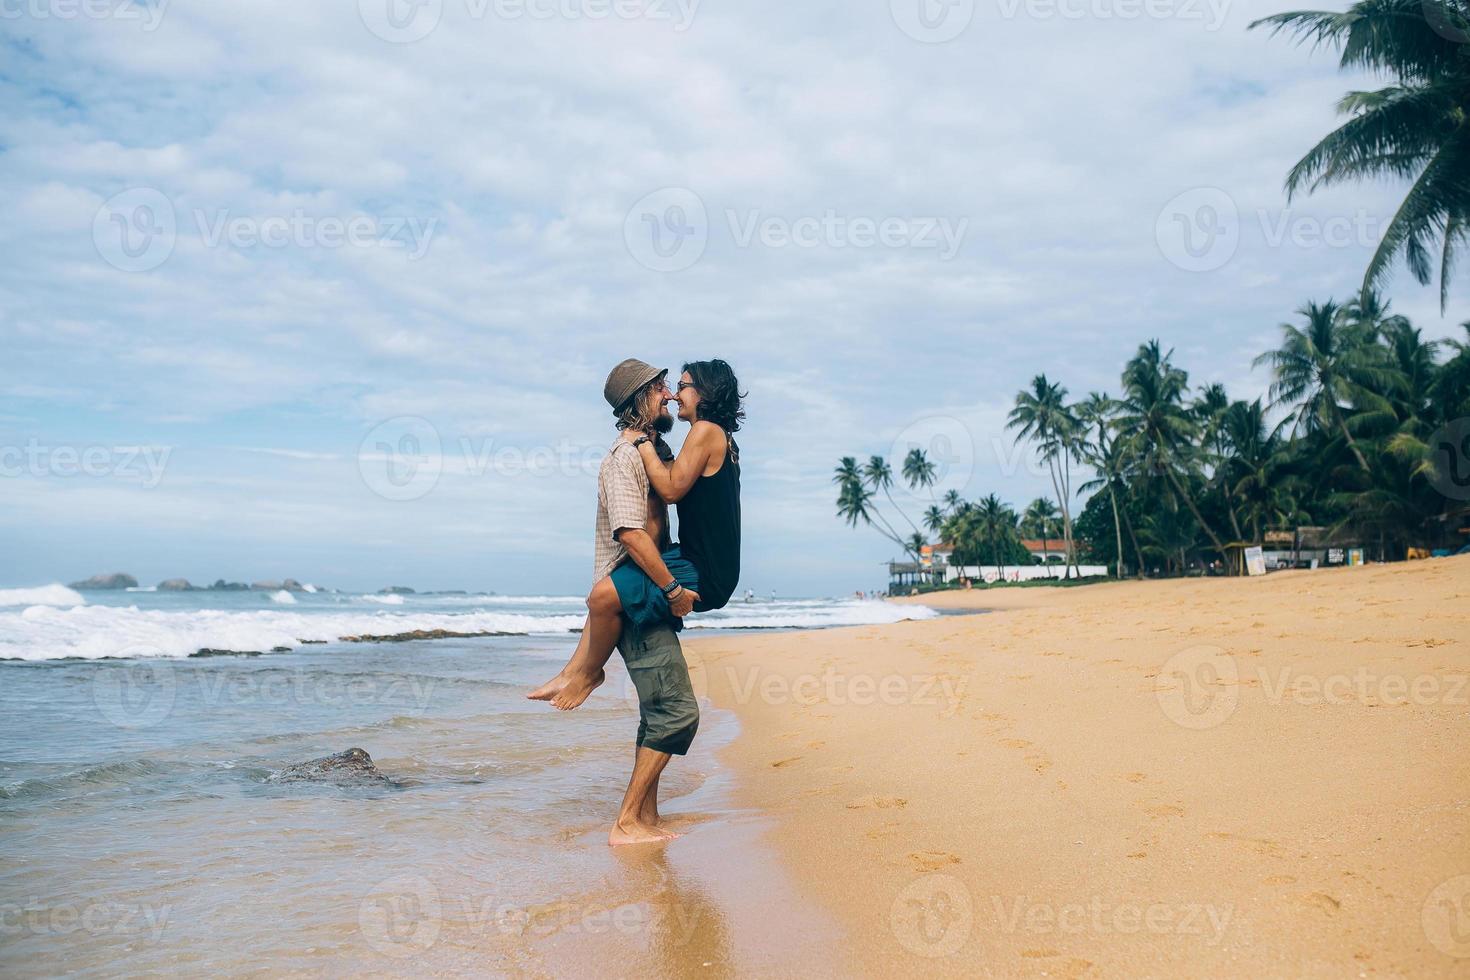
1185 477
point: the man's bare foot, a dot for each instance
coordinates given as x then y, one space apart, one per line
550 689
637 833
576 689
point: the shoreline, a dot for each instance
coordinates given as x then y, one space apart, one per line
1244 776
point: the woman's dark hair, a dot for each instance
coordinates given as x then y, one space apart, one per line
719 393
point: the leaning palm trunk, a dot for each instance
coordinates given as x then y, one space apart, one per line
1199 518
1133 539
1117 528
1352 444
1051 466
1067 517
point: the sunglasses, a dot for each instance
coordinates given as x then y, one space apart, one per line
682 385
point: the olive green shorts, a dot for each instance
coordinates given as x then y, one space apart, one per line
668 714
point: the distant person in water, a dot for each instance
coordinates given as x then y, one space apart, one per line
643 585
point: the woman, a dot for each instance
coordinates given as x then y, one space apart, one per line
704 482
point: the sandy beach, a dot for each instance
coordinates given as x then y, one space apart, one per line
1243 777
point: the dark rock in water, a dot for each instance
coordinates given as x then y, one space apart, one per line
176 585
271 585
396 590
212 652
117 580
435 634
222 586
353 767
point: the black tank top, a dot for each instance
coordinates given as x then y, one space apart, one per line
709 530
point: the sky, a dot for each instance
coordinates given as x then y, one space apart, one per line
330 291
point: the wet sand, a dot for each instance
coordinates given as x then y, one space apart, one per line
1177 778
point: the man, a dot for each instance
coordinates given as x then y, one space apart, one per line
632 525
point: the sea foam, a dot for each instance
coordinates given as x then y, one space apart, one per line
45 595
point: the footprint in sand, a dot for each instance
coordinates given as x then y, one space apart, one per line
878 802
1269 848
932 860
1279 880
1139 855
1161 810
1015 743
1320 900
1135 777
784 762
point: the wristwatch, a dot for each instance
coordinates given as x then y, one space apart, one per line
640 441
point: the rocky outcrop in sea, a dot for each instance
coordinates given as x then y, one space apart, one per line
117 580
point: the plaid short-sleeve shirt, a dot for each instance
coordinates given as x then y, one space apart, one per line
622 502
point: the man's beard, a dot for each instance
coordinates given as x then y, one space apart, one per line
664 423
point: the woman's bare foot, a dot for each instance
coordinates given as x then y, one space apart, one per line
551 688
637 833
576 689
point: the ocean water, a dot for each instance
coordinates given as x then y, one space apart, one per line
145 828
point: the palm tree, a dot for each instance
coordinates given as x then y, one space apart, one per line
855 502
934 519
1210 406
1160 428
919 470
1041 415
952 501
880 477
1096 413
998 524
1039 519
1327 361
1416 129
1254 469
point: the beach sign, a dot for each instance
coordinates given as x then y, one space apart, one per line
1255 560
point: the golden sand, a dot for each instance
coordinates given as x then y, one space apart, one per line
1248 777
